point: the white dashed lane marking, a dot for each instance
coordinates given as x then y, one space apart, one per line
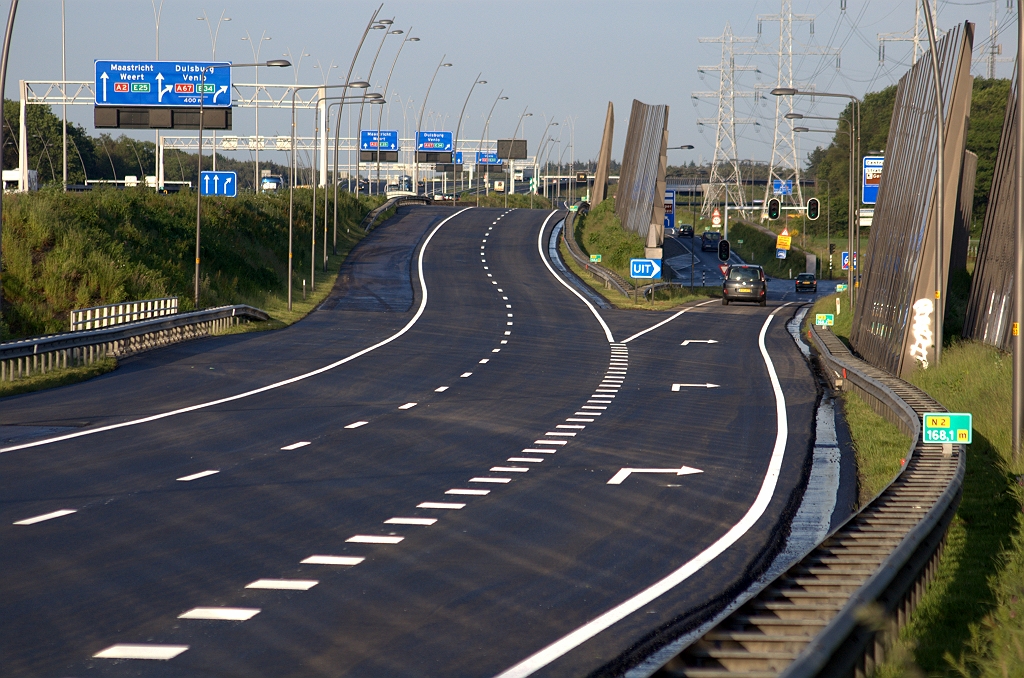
440 505
46 516
440 389
410 521
508 469
465 374
534 450
332 560
500 481
549 442
221 613
283 584
301 443
408 406
373 539
357 424
525 460
197 476
476 493
129 651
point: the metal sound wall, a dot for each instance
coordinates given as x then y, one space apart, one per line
604 159
991 301
638 201
893 321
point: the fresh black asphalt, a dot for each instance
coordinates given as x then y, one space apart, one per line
470 595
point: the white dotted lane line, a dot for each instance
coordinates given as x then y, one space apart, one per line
283 584
196 476
333 560
357 424
408 406
374 539
410 521
440 389
221 613
443 505
303 443
46 516
132 651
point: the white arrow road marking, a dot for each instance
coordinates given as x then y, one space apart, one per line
206 184
676 387
103 77
227 180
624 473
216 183
223 88
160 89
698 341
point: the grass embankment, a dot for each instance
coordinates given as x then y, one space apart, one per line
601 232
971 620
759 248
64 251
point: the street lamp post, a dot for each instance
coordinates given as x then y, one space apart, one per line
536 157
688 147
511 171
487 172
1017 337
280 63
850 198
382 25
291 169
419 125
854 221
387 83
214 34
458 127
256 99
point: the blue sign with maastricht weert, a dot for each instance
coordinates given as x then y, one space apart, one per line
219 183
387 141
434 142
163 83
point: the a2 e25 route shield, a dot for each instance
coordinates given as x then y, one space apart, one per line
163 83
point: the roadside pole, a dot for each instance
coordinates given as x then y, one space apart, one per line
1018 269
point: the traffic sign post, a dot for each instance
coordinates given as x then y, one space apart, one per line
670 208
595 258
716 218
846 261
947 427
871 178
219 183
825 319
780 254
434 142
644 269
163 83
780 187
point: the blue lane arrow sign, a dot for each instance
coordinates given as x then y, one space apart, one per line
219 183
645 268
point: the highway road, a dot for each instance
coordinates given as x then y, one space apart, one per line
455 467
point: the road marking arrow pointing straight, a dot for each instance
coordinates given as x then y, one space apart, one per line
676 387
624 473
104 76
698 341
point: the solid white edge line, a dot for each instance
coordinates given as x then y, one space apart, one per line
543 257
584 633
269 387
667 320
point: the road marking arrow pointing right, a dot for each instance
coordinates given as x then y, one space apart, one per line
676 387
698 341
625 472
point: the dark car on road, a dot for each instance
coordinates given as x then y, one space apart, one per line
745 283
709 241
686 231
806 282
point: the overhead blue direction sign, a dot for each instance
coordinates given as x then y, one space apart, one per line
219 183
388 141
434 142
163 83
871 178
782 187
488 159
645 268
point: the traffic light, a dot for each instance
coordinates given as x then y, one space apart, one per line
813 208
831 248
723 250
774 208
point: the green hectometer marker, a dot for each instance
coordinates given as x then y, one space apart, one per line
947 427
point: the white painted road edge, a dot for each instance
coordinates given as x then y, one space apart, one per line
584 633
566 285
269 387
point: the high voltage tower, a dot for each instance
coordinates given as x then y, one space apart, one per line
918 36
725 170
785 161
994 50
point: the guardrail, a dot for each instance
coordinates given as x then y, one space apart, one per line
837 610
26 357
367 223
96 317
611 278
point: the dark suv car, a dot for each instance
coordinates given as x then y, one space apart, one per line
709 241
686 231
806 282
745 283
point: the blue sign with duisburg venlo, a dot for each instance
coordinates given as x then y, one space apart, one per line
434 142
387 141
163 83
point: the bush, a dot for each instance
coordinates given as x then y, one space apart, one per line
759 248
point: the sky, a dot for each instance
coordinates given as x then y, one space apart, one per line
561 60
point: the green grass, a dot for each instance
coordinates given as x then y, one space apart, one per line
664 299
601 232
64 251
517 200
759 248
879 446
58 377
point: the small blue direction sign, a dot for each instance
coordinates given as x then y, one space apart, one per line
219 183
780 187
488 159
388 140
780 253
645 268
846 261
871 179
163 83
434 142
458 157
